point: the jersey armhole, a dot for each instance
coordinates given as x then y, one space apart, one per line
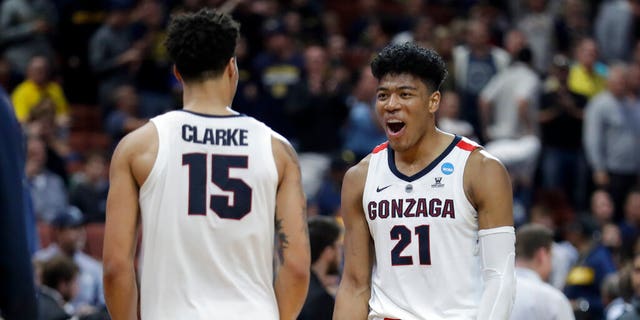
155 168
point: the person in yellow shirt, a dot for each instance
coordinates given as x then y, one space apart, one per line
584 78
36 87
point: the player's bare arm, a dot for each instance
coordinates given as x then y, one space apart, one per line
131 163
292 238
488 187
355 288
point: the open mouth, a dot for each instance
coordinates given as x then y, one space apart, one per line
395 126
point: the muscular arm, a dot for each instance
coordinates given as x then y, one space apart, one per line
355 288
489 189
292 280
131 163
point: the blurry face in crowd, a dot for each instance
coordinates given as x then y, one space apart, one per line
617 81
632 207
69 290
514 42
366 86
95 168
587 53
405 107
38 70
126 99
477 34
315 60
70 239
602 206
36 152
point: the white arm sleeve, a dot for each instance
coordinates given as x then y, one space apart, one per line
497 255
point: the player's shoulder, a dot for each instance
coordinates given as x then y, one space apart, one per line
357 174
483 163
138 141
282 148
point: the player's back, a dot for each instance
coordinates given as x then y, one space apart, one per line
208 220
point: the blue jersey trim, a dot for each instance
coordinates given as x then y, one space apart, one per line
427 169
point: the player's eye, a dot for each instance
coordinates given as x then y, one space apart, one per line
382 96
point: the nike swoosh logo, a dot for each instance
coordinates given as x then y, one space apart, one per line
378 189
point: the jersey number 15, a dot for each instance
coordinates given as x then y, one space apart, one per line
220 166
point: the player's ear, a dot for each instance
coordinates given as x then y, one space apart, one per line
434 101
176 73
232 67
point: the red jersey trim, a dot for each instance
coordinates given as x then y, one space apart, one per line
467 146
380 147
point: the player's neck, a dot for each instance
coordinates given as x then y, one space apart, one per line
213 96
432 144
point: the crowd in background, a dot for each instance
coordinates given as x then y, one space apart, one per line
552 88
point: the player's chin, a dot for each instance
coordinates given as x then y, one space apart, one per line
397 144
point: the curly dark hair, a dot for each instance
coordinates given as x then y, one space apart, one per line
201 43
410 58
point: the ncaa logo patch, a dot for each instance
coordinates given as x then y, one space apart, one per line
447 168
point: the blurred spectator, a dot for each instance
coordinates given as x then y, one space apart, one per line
368 11
508 113
362 131
325 240
59 285
514 41
563 166
586 76
614 29
277 70
316 105
601 207
17 225
69 238
611 137
444 42
538 26
326 201
89 193
41 123
153 78
551 211
8 78
616 291
36 87
48 190
633 311
78 22
421 33
124 118
573 25
27 27
246 99
113 55
449 117
475 63
630 226
594 264
535 299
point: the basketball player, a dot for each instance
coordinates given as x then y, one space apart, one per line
213 188
428 215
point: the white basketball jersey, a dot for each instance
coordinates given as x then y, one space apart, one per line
425 233
208 210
